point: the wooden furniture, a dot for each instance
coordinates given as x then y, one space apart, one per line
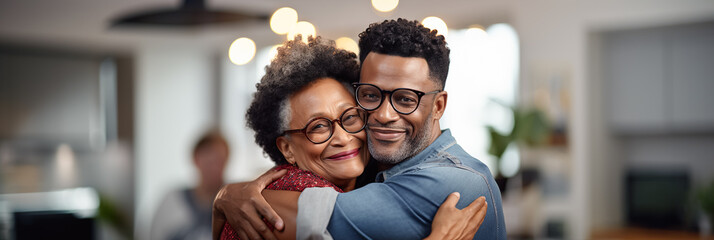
646 234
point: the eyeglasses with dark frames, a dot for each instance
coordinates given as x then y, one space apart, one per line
319 130
404 100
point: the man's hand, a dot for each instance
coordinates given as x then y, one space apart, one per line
242 205
452 223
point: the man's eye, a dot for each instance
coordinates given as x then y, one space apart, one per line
370 96
407 100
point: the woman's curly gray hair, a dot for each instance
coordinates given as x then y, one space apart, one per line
295 66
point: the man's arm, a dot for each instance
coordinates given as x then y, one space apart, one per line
404 205
243 206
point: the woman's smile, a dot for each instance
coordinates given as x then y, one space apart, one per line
344 155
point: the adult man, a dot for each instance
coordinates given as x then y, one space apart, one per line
403 72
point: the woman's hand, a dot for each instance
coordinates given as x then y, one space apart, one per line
242 205
452 223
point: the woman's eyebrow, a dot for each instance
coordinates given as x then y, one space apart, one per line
342 107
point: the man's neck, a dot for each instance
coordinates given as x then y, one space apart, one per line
435 133
384 166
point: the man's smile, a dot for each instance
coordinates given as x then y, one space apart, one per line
386 134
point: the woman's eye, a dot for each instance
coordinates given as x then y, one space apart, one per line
318 126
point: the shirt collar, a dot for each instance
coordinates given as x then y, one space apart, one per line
444 141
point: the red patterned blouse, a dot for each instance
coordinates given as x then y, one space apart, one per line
295 180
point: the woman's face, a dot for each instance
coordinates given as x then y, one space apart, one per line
341 158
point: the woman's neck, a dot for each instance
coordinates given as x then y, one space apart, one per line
349 185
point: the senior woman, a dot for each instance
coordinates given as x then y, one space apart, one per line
307 121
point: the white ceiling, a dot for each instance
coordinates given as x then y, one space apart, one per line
85 23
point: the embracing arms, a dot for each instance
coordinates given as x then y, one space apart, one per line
242 205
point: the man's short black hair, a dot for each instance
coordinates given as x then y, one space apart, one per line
407 39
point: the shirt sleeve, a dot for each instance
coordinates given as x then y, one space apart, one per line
315 207
403 206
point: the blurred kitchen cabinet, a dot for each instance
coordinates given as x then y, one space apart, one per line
660 80
692 76
634 64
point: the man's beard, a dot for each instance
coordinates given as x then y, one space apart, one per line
409 148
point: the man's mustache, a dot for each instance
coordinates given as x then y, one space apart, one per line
389 126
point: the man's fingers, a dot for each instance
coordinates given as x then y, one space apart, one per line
272 217
247 223
270 177
246 228
241 234
264 209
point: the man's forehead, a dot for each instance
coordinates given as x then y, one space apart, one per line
390 71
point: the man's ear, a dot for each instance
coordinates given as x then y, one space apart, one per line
285 148
439 104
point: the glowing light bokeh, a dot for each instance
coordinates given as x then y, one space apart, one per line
283 20
437 24
303 28
273 51
347 44
385 5
242 50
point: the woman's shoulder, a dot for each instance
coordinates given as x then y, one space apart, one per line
298 180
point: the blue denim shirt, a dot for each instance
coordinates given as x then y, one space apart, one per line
405 198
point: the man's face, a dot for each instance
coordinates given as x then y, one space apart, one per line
394 137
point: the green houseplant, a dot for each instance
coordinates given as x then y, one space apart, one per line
705 196
530 128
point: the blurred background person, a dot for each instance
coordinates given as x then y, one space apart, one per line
186 213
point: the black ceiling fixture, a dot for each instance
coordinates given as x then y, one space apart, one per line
190 13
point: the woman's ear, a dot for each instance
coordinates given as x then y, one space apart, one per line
285 148
439 104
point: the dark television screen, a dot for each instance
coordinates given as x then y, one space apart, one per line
52 225
657 199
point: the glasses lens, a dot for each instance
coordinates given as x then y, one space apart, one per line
405 101
353 120
369 96
319 130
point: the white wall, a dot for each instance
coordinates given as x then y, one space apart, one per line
555 33
238 85
173 108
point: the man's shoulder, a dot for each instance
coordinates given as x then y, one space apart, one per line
457 159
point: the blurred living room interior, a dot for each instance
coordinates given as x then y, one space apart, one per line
596 117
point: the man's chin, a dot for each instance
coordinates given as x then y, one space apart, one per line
386 153
386 147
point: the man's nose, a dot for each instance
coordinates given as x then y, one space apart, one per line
385 113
